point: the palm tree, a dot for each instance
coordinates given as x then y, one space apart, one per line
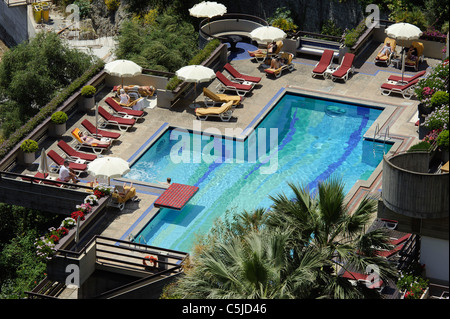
291 251
324 221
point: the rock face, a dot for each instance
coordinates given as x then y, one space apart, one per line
105 22
308 15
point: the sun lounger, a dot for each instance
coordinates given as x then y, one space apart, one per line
121 195
96 148
324 63
98 133
226 84
73 155
120 111
387 58
287 66
398 78
389 253
239 77
224 112
44 179
345 68
212 98
121 122
400 240
260 57
415 64
59 161
406 90
362 278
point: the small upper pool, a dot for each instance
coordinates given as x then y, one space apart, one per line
302 140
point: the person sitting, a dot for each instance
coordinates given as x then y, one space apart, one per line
271 48
384 53
147 90
124 97
92 141
124 193
277 63
412 53
67 174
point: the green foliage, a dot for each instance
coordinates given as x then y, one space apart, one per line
330 28
443 140
59 117
435 81
420 147
439 98
166 45
112 5
84 6
29 146
32 73
282 19
352 36
88 91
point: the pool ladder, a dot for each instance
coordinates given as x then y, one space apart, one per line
132 239
378 147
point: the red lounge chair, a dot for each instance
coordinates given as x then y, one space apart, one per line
98 133
344 69
362 278
108 119
226 84
400 240
239 76
397 78
406 90
389 253
59 161
121 111
46 181
73 155
325 61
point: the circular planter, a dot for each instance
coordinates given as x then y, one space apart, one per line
28 158
87 103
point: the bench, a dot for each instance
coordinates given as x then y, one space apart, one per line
317 46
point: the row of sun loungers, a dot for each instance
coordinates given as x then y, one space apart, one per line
325 68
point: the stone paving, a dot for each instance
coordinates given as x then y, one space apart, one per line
363 86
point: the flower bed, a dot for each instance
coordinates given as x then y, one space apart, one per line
46 245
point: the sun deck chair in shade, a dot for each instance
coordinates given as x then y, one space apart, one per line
406 90
363 278
389 253
59 161
98 133
386 59
287 57
121 111
108 119
226 84
345 68
415 63
398 78
400 240
74 155
212 98
260 57
239 77
324 63
95 147
224 112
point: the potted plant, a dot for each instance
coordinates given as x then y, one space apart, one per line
59 120
88 100
29 148
442 141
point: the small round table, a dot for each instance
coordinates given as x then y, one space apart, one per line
232 40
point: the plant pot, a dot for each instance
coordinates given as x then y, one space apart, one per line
57 129
28 158
87 103
423 131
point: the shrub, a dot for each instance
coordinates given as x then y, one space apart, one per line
435 81
29 146
442 140
420 147
282 20
112 5
438 119
59 117
88 91
351 36
439 98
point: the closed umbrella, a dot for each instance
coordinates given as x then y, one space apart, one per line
195 74
43 163
108 167
403 32
207 9
123 69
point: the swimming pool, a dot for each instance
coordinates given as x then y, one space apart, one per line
316 138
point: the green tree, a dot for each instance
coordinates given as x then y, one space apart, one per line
291 251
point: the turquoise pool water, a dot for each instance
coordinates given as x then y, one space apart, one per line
315 139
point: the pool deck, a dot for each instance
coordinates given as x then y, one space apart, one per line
362 86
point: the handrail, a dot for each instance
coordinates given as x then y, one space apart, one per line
331 37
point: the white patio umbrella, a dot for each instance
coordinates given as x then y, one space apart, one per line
195 74
267 34
207 9
123 69
108 167
403 32
43 163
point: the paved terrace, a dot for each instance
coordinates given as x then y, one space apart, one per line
362 86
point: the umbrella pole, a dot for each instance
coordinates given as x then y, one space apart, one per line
403 62
96 120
